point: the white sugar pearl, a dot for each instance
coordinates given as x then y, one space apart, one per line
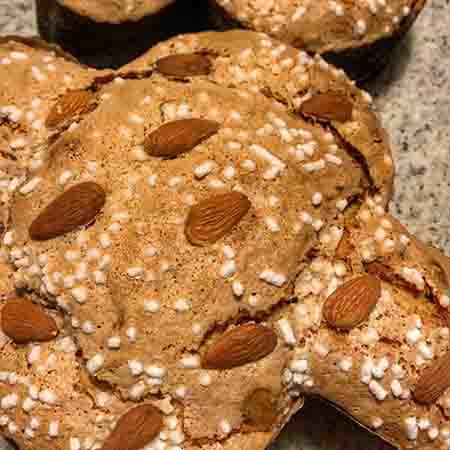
299 366
150 251
205 379
28 404
80 294
413 336
151 306
321 349
377 422
204 169
433 433
412 430
273 278
135 272
287 332
88 327
396 388
228 252
48 396
272 224
136 367
182 305
238 289
131 334
225 427
360 27
228 269
377 390
114 342
95 363
9 401
444 301
65 177
190 361
316 199
53 429
156 371
74 444
341 204
345 364
34 423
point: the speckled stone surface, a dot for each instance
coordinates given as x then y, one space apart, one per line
413 99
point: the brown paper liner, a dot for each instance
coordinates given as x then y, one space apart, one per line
104 45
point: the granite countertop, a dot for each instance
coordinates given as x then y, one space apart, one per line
412 97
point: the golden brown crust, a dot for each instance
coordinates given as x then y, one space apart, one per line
138 305
371 371
115 11
37 43
288 84
323 26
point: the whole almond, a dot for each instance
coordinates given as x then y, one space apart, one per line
260 409
179 136
77 206
328 106
352 302
185 65
434 381
135 429
211 219
24 321
70 105
240 345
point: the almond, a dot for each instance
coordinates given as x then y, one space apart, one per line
352 302
328 106
179 136
135 429
434 381
387 274
240 345
381 271
260 410
186 65
211 219
75 207
70 105
24 321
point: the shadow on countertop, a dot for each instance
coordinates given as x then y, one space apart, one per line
7 444
319 426
394 70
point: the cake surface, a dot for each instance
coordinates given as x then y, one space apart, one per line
356 36
323 26
115 11
190 217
